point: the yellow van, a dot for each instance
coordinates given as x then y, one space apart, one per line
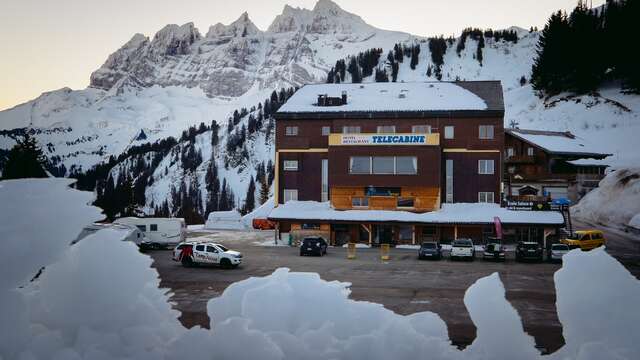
585 239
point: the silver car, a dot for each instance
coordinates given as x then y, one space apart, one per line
556 252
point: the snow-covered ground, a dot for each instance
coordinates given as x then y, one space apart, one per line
615 203
84 307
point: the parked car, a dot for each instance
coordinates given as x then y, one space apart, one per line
585 239
313 246
462 249
493 251
194 253
430 250
557 251
160 233
528 251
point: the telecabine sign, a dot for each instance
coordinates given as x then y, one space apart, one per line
384 140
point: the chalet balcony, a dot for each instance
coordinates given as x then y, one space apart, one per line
520 159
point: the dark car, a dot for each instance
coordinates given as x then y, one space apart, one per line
494 251
528 251
430 250
313 246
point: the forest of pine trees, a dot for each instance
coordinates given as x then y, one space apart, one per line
579 51
24 160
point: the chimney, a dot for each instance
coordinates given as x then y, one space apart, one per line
344 97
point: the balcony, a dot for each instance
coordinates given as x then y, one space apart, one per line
520 159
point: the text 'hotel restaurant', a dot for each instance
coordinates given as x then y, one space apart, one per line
397 163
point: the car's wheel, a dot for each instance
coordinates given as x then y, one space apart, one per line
225 263
187 261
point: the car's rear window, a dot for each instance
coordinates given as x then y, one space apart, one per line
462 243
429 245
559 247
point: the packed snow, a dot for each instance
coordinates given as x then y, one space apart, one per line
470 213
261 212
416 96
614 202
224 220
83 307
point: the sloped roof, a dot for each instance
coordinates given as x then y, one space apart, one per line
557 142
410 99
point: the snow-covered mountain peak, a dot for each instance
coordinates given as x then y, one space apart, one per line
243 26
291 19
174 40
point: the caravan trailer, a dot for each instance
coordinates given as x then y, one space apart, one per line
160 232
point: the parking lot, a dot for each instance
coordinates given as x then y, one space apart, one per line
403 284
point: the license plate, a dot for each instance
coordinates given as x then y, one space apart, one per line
309 249
427 254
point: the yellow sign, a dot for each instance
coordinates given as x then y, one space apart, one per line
351 251
383 139
384 252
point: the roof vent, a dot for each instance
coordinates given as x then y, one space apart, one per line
361 86
402 95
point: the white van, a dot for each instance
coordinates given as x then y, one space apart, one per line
159 232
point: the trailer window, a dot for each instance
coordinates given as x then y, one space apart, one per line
142 227
153 227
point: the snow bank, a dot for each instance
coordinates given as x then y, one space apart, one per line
615 202
229 220
261 212
597 303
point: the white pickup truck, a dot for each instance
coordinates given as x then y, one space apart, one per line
462 249
196 253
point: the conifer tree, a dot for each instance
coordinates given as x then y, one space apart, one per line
264 190
25 160
250 200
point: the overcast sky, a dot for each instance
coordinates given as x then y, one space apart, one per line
49 44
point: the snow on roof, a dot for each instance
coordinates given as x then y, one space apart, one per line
590 162
460 213
381 97
556 142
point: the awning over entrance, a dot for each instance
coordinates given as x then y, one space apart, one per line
460 213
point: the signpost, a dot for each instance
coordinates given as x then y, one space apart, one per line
383 139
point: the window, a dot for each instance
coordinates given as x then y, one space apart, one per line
449 181
351 129
326 130
360 165
405 232
291 131
448 132
485 167
421 129
290 194
324 190
200 247
142 227
383 165
153 227
359 201
387 129
486 132
509 152
530 151
485 197
406 165
291 165
211 249
308 226
405 202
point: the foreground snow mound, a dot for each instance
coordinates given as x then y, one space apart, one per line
300 316
598 307
615 202
38 220
87 307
